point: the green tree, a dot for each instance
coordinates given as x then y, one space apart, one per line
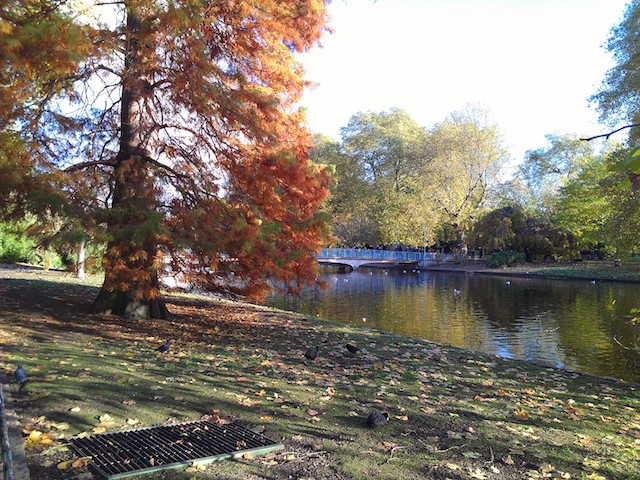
618 98
511 228
465 153
546 170
387 150
497 229
583 207
349 205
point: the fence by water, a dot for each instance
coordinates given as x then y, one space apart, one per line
376 254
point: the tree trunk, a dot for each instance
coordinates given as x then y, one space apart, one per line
124 303
80 262
131 287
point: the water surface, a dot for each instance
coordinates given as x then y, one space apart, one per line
578 325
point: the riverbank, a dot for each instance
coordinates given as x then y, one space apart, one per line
587 270
453 413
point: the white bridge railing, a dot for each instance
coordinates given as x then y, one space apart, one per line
384 254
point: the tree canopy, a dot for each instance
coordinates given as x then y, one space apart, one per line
399 182
171 128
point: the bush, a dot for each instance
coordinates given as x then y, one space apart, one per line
506 258
15 247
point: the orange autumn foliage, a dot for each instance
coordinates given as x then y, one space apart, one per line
183 140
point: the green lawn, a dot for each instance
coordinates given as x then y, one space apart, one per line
453 413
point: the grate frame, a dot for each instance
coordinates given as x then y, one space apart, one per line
127 453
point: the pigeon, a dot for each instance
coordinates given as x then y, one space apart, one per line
377 419
456 292
508 282
164 348
352 348
21 375
312 353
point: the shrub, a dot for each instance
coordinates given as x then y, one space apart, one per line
15 247
506 258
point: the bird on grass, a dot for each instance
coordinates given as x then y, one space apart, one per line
352 348
20 375
377 419
164 348
456 292
311 353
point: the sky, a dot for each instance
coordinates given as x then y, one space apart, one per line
532 64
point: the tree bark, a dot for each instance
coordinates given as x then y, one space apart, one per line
131 287
80 262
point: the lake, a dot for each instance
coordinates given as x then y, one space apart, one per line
576 325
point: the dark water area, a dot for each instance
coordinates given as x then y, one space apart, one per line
576 325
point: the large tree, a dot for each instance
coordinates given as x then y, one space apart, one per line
618 99
466 155
387 149
546 170
173 126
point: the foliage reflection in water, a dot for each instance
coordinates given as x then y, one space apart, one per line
578 325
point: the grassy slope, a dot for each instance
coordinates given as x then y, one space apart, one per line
454 414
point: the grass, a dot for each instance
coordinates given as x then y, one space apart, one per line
453 413
587 270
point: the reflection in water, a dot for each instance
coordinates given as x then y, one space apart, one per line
569 324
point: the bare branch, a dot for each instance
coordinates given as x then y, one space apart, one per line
607 135
165 167
80 166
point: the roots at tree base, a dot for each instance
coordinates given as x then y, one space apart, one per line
121 303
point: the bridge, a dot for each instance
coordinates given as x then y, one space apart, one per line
355 258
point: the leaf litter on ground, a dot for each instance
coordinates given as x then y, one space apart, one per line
452 413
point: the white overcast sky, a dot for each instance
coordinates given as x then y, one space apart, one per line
532 63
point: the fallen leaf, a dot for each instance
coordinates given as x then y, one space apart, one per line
478 474
106 418
55 450
65 465
36 437
472 454
81 462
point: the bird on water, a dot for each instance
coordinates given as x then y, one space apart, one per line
164 348
377 419
312 353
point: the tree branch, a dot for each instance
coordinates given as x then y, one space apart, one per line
80 166
156 163
607 135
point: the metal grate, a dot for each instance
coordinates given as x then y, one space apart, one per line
145 450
